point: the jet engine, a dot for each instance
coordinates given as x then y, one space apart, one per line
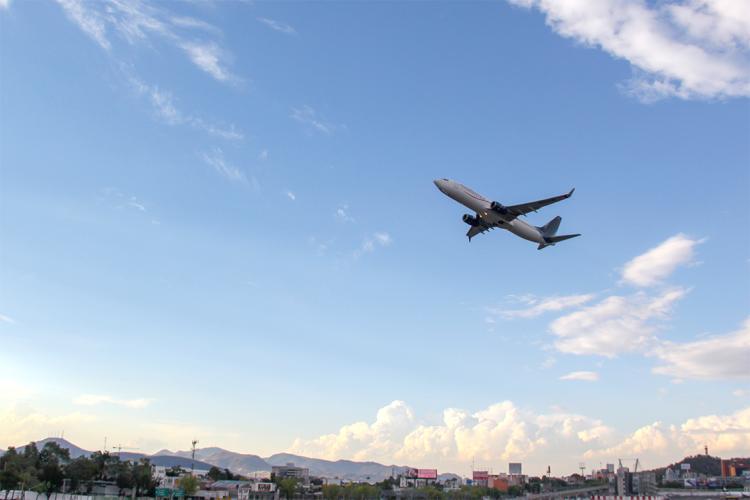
472 221
499 208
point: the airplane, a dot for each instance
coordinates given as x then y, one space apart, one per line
492 214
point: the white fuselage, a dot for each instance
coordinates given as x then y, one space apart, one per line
481 206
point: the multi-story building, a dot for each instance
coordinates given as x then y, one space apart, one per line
289 471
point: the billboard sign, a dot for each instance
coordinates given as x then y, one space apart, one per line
480 475
685 466
514 468
427 474
265 487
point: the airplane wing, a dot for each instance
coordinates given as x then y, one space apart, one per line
479 229
524 208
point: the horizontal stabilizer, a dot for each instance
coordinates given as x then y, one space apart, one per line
551 240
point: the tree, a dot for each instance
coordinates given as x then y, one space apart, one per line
81 472
331 491
189 484
288 487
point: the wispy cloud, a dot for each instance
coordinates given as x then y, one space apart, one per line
307 116
583 375
278 26
97 399
263 155
539 306
717 357
167 111
291 195
615 325
4 4
372 242
216 160
209 58
136 21
689 49
342 214
7 319
655 265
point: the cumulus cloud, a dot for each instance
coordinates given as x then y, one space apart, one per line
688 49
278 26
539 306
659 262
505 432
583 375
615 325
500 431
718 357
727 435
97 399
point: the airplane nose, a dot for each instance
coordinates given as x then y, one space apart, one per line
437 183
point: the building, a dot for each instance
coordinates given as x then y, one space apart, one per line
480 477
643 483
624 481
734 467
289 471
498 482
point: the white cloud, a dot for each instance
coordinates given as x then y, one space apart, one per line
291 195
541 306
725 435
504 432
688 49
7 319
658 263
89 21
500 432
19 426
370 243
139 22
278 26
718 357
165 109
309 117
4 4
342 214
263 155
583 375
615 325
97 399
740 393
216 160
208 57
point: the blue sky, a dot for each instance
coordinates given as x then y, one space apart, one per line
218 221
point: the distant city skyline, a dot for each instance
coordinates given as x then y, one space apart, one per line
218 222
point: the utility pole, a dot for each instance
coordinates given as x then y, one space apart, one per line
192 463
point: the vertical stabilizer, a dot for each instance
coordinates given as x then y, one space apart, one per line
550 228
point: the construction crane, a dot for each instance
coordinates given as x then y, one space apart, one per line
635 467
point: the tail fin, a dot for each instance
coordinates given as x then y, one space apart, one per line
551 240
550 228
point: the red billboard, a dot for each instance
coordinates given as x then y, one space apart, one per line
426 473
480 475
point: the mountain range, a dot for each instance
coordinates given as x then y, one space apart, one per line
247 464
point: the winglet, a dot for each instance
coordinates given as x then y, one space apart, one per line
570 193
